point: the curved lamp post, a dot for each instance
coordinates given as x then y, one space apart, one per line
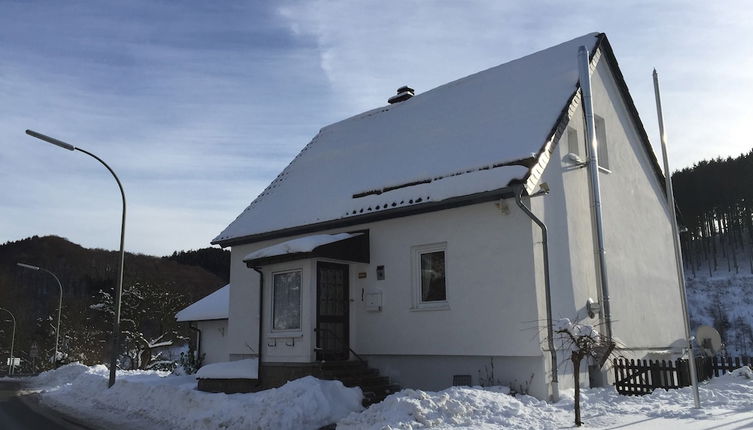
60 306
12 342
119 287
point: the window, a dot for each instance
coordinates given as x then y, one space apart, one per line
429 281
572 141
286 301
601 141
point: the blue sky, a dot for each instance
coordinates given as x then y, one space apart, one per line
198 105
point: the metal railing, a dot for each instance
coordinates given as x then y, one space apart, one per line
339 339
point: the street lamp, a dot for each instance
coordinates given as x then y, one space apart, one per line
60 305
119 286
12 341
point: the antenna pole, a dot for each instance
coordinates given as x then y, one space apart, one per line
676 242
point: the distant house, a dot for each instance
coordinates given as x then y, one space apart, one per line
396 234
209 316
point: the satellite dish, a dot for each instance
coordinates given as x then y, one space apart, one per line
709 339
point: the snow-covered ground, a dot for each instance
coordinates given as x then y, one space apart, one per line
156 400
725 302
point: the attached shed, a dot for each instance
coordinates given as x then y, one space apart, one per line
209 316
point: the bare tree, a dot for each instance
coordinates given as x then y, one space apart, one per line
583 341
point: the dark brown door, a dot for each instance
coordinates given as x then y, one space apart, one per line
332 303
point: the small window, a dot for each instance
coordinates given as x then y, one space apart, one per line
286 297
430 281
601 141
572 141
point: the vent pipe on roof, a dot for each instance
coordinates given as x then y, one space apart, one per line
403 93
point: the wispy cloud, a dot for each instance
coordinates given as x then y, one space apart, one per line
198 105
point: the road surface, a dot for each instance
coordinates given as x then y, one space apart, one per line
25 414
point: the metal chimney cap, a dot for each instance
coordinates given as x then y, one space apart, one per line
403 93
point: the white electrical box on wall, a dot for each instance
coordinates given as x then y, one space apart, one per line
374 301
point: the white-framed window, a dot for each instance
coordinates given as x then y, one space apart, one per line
601 141
430 276
286 300
573 146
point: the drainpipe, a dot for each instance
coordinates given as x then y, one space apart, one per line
261 322
593 170
547 291
198 340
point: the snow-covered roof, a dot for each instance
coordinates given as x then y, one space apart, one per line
302 244
461 138
215 306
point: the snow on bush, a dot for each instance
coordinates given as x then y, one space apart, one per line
173 402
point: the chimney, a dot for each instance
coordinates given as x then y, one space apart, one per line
403 93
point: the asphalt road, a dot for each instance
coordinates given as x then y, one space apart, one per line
25 414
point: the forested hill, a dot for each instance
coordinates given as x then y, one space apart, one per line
84 271
716 201
214 260
154 289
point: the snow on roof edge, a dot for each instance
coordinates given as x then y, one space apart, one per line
215 306
301 244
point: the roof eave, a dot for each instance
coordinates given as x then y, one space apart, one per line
453 202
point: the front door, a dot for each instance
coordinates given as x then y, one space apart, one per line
332 303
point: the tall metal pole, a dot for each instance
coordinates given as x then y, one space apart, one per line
12 366
60 307
119 287
593 170
676 242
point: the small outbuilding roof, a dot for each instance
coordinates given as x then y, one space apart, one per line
475 135
215 306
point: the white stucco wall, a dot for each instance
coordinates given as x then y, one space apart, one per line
213 340
642 277
493 308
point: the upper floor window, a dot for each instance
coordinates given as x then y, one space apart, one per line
601 141
572 141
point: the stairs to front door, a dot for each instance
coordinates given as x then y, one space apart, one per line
354 373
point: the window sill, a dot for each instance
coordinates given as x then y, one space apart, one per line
441 306
285 334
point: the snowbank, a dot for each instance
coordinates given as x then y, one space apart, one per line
160 400
727 400
246 369
147 399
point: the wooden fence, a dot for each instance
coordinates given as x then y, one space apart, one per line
639 377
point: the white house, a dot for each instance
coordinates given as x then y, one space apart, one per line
209 317
396 234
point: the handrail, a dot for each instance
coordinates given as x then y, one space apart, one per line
341 341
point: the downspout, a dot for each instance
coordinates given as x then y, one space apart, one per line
592 154
547 291
261 322
198 340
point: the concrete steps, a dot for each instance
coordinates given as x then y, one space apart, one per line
354 373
